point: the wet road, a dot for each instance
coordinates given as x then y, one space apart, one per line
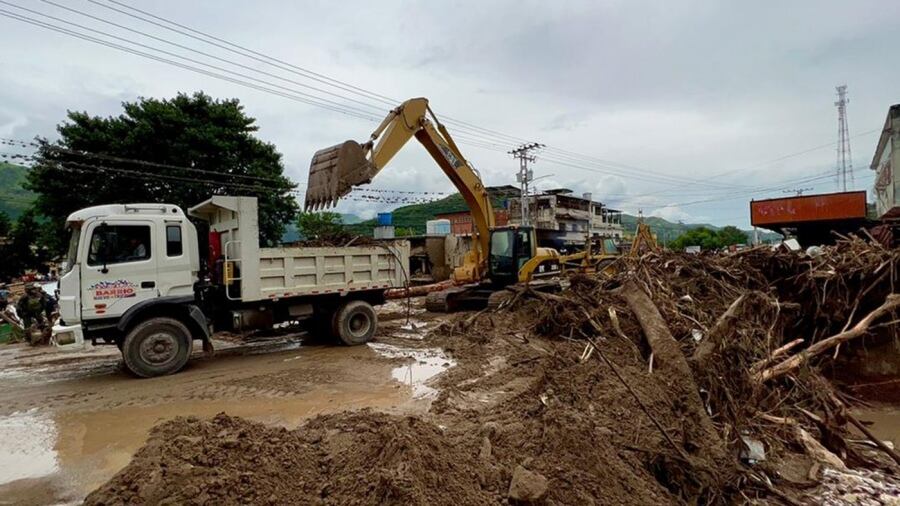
69 422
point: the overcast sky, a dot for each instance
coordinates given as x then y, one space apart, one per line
683 109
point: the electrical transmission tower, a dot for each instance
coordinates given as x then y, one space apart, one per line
525 176
844 159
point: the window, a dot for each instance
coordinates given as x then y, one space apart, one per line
116 244
502 243
72 254
173 240
523 246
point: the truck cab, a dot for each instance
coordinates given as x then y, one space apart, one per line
122 260
122 256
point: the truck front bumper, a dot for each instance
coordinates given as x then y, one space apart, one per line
68 337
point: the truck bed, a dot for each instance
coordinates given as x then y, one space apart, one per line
300 271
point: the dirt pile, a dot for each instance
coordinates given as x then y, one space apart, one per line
356 458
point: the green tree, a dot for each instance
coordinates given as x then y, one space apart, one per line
207 146
5 224
19 252
709 239
732 235
323 225
700 236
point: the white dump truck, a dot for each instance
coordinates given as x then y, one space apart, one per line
135 278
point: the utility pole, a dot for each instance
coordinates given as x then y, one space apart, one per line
525 176
844 160
798 191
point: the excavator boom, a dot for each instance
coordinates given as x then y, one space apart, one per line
336 170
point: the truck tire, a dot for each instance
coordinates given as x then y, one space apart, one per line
157 347
355 322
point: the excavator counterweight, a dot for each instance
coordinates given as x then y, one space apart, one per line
333 173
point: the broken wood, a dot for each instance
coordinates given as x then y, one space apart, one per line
672 364
778 353
794 362
640 403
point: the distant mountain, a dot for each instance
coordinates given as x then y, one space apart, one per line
351 219
413 217
666 231
14 199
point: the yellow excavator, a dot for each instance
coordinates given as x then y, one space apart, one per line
500 256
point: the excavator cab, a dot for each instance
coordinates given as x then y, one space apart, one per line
511 248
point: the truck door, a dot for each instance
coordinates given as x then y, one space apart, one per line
176 274
119 268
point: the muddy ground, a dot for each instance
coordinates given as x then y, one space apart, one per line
70 421
479 409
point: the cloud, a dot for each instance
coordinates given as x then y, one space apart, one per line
668 95
673 214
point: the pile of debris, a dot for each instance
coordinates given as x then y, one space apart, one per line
738 340
678 379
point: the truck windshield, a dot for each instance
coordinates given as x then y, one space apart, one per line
73 248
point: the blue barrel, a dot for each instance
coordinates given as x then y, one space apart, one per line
385 219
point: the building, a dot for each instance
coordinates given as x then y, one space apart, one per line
461 221
563 220
887 156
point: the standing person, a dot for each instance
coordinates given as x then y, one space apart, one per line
35 309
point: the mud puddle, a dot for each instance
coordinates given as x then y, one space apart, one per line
421 366
884 422
64 438
27 450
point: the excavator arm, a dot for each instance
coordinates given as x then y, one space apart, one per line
336 170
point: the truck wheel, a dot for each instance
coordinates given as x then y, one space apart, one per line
157 347
355 322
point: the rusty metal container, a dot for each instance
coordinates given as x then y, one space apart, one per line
824 207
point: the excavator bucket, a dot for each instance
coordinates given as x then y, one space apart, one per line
334 171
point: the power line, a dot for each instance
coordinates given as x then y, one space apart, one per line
738 195
252 54
469 127
477 136
390 193
208 55
53 148
142 54
191 60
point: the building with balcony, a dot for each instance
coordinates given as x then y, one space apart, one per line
564 221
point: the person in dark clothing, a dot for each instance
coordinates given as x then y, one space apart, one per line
35 309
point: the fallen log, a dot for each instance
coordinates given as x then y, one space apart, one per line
699 433
417 291
795 361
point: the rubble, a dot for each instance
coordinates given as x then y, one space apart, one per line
598 394
526 486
